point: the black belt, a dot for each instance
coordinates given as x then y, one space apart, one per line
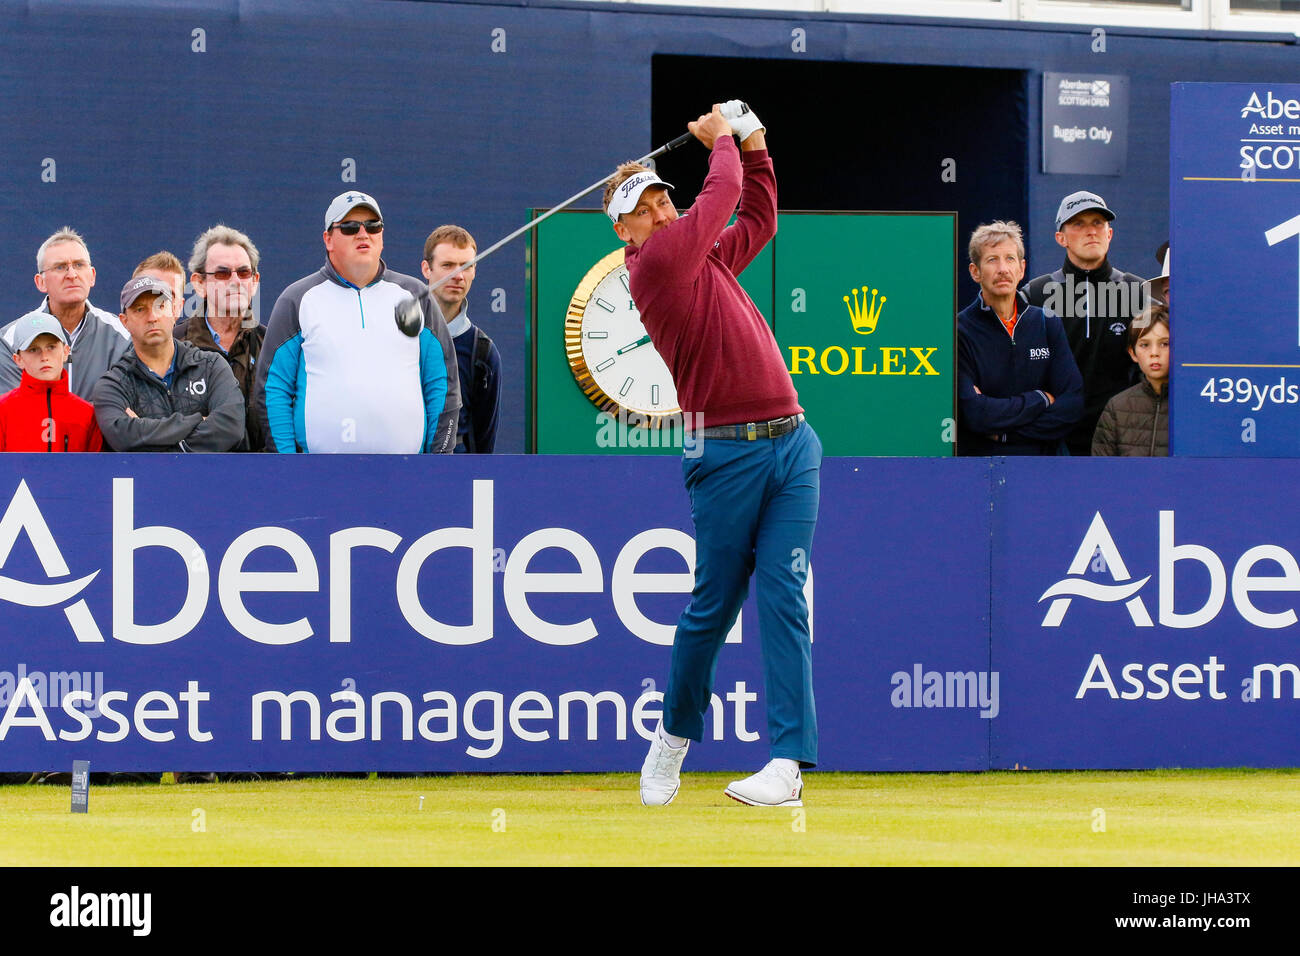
748 431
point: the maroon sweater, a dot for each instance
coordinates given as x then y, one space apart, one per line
723 357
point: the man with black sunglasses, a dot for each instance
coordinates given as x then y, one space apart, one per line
224 276
335 373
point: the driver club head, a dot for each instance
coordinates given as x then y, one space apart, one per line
409 316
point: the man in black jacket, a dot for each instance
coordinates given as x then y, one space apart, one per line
1095 302
166 395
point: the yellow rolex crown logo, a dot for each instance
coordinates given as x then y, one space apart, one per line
867 314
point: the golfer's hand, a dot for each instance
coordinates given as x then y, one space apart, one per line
131 414
710 126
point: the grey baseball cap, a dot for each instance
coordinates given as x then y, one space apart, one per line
138 286
34 324
344 203
1082 201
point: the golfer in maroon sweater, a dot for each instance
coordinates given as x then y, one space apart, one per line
754 486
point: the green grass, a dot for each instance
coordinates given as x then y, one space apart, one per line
1152 818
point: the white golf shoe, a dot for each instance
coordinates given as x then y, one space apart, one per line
661 773
774 786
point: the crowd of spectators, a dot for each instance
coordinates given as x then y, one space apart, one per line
1075 362
184 365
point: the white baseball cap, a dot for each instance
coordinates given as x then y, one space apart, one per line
629 191
344 203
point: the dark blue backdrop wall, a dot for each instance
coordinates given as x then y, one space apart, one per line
142 123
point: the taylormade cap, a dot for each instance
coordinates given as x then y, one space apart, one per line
629 191
138 286
344 203
1082 201
33 325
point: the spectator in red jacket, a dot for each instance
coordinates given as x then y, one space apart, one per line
41 414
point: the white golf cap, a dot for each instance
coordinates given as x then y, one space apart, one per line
1082 201
344 203
629 191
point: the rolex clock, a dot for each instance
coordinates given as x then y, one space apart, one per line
609 352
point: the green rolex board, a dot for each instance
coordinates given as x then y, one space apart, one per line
866 324
798 282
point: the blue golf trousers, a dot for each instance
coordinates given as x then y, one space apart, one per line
754 505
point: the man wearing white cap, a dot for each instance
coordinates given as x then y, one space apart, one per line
1095 302
335 373
754 486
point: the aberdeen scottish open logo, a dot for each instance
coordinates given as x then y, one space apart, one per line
22 515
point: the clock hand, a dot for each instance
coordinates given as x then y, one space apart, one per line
643 340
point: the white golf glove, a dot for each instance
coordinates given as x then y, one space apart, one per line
742 119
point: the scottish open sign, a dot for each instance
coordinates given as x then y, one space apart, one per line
1235 269
1085 123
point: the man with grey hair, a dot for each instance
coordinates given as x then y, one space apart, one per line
224 275
1019 391
64 273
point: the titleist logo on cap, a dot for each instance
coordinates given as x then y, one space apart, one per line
637 180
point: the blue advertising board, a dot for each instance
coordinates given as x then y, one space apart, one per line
440 613
512 613
1143 615
1235 269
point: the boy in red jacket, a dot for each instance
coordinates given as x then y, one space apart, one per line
41 414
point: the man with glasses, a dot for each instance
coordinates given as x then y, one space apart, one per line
65 275
224 276
336 374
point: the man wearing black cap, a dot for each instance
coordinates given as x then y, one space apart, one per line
1095 302
164 394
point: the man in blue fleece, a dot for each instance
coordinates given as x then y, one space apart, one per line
1019 391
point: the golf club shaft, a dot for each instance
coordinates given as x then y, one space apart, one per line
684 138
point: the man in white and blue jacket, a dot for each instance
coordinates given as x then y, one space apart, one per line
1019 391
335 373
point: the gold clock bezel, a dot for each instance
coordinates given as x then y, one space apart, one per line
578 362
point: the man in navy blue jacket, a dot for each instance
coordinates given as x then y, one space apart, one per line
1019 391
